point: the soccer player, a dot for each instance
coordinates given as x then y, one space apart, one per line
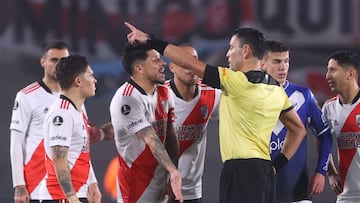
195 103
30 107
70 175
292 181
342 114
26 141
250 105
142 114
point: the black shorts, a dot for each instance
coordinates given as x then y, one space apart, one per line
247 181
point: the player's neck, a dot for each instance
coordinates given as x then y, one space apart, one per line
187 92
53 85
349 94
75 97
147 85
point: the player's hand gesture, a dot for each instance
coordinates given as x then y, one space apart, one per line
136 35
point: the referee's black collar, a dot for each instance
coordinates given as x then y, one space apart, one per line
176 91
67 98
43 85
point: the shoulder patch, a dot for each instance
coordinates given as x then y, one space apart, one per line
58 121
125 109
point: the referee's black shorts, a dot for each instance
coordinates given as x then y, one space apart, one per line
247 181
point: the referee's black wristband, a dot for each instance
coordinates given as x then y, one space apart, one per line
157 44
279 162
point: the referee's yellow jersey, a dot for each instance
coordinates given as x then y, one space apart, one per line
250 106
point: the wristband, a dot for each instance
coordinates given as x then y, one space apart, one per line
279 162
157 44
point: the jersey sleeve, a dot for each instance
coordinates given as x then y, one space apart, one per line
231 82
21 114
60 129
316 119
320 126
131 113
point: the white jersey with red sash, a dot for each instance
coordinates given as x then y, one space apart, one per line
140 177
344 121
29 111
191 120
66 126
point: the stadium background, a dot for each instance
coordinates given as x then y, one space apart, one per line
312 28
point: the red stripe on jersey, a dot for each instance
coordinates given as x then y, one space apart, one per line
199 115
64 104
346 155
163 96
31 88
134 181
79 175
128 89
34 170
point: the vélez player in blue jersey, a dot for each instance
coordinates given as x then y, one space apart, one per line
292 182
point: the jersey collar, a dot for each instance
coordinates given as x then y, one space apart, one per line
177 93
141 90
66 98
43 85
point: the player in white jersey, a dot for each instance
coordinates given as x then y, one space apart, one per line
142 115
343 116
194 105
30 107
66 136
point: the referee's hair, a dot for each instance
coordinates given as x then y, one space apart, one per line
254 38
68 68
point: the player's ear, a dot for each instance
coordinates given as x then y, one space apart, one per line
172 67
77 81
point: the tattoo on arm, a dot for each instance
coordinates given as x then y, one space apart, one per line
20 191
171 141
156 146
62 170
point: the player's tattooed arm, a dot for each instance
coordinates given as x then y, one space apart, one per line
156 146
171 141
61 165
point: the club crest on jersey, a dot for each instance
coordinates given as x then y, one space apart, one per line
204 110
58 120
16 105
125 109
358 120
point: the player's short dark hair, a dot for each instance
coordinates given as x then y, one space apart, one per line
275 46
132 54
346 59
53 44
68 68
254 38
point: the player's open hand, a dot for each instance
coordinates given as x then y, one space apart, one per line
175 180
